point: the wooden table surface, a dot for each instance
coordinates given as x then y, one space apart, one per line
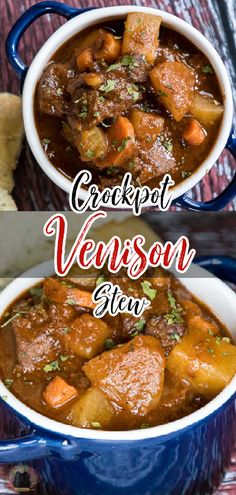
214 18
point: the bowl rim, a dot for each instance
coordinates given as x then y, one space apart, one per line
37 274
89 18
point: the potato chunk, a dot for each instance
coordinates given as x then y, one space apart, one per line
87 336
147 126
132 375
206 110
92 410
92 144
141 35
207 362
174 85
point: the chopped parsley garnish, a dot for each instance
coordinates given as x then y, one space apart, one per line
175 336
108 86
110 170
207 69
84 112
132 90
161 93
127 61
124 144
10 319
168 145
54 366
140 324
36 291
109 344
66 330
100 280
210 350
175 314
185 174
96 114
101 98
89 153
59 91
45 141
71 302
64 358
8 382
147 289
96 424
144 425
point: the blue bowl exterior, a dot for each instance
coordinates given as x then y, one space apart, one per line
187 462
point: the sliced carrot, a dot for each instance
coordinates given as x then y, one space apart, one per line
84 60
194 133
121 138
107 47
58 392
63 294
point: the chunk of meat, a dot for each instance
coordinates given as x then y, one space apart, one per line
58 392
63 294
154 162
207 362
194 133
147 126
51 91
206 110
87 336
92 410
168 335
34 349
132 375
141 35
174 84
121 139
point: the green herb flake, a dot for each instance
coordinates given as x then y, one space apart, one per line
108 86
71 302
147 289
175 314
8 382
102 99
168 144
54 366
100 280
66 330
144 425
175 336
10 320
96 114
96 424
132 91
123 144
110 170
90 153
109 344
59 91
207 69
36 292
64 358
134 334
161 93
140 324
185 174
45 141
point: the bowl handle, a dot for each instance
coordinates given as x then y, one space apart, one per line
223 267
37 446
25 21
220 201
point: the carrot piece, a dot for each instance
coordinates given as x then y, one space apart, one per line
109 48
58 392
84 60
194 133
121 138
93 80
62 294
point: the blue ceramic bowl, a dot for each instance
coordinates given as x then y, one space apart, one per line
185 457
88 17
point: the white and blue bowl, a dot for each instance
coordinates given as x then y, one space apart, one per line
184 457
79 19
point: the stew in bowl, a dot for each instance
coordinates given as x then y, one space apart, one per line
114 373
128 95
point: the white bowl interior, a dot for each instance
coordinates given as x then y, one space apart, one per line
212 291
90 18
